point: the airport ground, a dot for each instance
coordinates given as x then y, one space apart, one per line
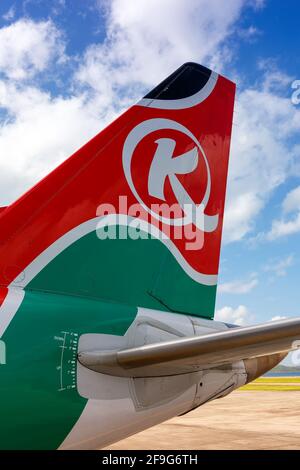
264 416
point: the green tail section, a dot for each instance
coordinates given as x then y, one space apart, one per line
130 271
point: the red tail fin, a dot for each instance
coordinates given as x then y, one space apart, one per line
171 148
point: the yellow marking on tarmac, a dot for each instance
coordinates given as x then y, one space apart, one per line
278 379
274 384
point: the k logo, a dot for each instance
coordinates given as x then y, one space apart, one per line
165 166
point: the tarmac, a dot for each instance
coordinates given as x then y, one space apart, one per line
242 420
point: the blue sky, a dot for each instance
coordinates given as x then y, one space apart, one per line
68 67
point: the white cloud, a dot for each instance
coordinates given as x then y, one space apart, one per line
258 4
41 133
279 267
289 222
27 47
147 40
237 287
238 316
262 154
9 15
249 34
274 78
292 201
37 130
281 227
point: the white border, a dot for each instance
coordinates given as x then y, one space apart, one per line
182 103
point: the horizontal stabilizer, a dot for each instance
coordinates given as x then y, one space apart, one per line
196 353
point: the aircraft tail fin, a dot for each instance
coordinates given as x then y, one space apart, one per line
134 216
